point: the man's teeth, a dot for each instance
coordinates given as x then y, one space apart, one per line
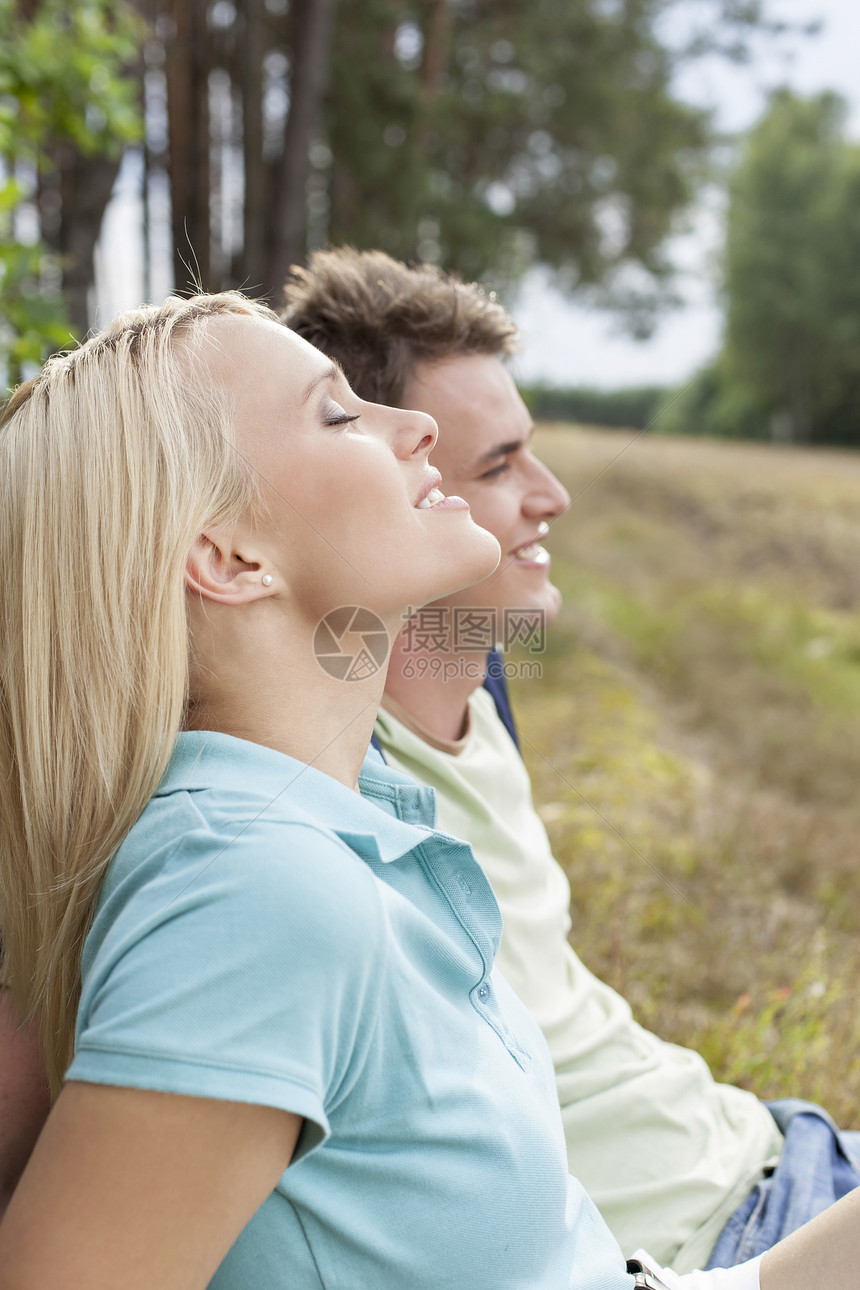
435 495
533 552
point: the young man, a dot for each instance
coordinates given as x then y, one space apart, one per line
689 1168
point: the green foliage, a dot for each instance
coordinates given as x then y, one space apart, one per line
635 407
717 402
61 77
523 130
61 84
790 368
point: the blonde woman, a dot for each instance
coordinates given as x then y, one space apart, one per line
279 1053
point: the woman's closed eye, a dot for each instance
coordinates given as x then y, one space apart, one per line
334 414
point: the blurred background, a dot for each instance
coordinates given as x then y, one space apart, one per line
667 195
658 188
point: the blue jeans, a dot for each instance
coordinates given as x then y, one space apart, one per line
818 1165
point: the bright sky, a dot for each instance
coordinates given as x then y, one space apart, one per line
571 345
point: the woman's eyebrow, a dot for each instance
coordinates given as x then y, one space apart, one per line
330 373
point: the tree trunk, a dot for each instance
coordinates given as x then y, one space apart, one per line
310 68
86 184
437 45
251 267
187 74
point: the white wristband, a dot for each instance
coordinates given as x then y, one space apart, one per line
743 1277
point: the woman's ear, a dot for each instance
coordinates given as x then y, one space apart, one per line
216 571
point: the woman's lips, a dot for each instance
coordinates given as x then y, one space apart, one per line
452 503
431 484
435 500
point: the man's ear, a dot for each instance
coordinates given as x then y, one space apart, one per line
216 571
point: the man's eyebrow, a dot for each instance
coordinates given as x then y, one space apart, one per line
503 449
331 373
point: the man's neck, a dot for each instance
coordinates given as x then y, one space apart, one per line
434 686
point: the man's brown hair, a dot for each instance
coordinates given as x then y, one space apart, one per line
380 318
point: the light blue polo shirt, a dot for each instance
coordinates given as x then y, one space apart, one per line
266 935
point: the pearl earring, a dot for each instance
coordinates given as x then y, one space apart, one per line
267 580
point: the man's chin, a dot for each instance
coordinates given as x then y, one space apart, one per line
543 608
549 603
553 605
545 599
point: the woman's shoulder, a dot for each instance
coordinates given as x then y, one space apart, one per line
259 848
215 854
224 799
230 914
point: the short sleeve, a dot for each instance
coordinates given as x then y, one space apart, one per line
236 967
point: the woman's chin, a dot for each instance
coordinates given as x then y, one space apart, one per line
477 563
491 552
455 568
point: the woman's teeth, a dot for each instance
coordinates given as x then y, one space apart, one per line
435 495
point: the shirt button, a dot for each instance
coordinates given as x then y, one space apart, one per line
483 992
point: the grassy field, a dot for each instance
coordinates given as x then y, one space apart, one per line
695 746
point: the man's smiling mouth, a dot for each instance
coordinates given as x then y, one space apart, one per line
532 552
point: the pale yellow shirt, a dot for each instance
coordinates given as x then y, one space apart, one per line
665 1151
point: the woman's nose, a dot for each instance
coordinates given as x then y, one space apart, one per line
415 434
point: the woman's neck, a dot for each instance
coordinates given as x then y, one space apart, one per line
248 684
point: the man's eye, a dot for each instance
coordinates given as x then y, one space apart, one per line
497 470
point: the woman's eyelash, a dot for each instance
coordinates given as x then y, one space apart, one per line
341 418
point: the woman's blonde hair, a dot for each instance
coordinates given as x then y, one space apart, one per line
112 461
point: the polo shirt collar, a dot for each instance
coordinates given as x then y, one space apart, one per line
389 817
